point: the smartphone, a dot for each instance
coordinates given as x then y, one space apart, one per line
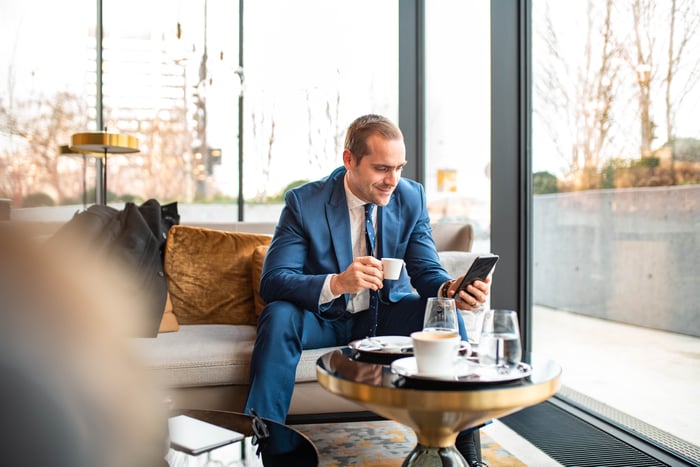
479 270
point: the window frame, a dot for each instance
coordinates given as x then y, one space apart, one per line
511 159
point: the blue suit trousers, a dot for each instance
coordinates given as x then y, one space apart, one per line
285 330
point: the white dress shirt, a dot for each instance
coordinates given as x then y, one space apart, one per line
356 209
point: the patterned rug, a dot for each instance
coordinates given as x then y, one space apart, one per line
382 444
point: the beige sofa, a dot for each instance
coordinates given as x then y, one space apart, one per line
204 364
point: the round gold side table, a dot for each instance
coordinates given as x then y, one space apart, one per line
436 414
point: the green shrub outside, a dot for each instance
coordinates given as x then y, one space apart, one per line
544 183
35 200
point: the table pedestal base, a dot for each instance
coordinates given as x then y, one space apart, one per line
424 456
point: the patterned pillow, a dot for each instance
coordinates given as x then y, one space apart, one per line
209 275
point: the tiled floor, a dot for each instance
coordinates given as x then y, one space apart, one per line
661 375
387 443
650 375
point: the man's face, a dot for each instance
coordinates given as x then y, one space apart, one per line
375 177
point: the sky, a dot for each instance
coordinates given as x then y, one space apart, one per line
569 20
292 60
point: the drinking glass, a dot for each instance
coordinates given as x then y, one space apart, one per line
499 345
440 315
473 322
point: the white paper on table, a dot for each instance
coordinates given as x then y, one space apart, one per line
195 436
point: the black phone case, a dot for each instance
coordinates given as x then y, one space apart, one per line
479 270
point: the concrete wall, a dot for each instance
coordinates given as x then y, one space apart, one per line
629 255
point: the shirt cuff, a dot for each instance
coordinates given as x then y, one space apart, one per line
326 294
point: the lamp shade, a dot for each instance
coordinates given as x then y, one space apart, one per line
103 142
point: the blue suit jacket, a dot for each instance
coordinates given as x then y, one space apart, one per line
312 240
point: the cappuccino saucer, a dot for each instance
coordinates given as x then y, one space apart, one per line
384 345
394 345
407 367
466 370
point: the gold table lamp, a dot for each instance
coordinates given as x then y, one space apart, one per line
103 143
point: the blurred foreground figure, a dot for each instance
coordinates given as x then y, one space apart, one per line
71 394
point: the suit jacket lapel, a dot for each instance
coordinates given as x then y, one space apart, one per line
339 224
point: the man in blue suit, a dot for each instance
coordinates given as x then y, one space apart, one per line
318 276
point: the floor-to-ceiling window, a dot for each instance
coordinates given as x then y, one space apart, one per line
312 67
458 133
634 230
616 162
172 77
44 82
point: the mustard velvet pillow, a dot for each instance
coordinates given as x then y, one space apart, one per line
258 259
209 275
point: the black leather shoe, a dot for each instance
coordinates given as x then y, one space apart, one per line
469 446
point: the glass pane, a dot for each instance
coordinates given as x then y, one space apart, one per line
302 82
171 77
310 71
458 136
616 156
43 101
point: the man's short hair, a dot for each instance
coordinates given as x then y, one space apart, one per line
363 127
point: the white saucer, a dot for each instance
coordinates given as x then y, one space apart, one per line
465 371
384 345
407 367
394 345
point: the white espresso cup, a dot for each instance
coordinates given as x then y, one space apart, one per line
392 268
436 352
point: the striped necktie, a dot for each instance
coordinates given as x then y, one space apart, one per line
373 294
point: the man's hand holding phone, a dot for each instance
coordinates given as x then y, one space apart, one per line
470 290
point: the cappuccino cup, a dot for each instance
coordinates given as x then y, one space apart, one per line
436 352
392 268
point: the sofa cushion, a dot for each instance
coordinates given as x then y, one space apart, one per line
211 355
199 355
209 275
453 236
